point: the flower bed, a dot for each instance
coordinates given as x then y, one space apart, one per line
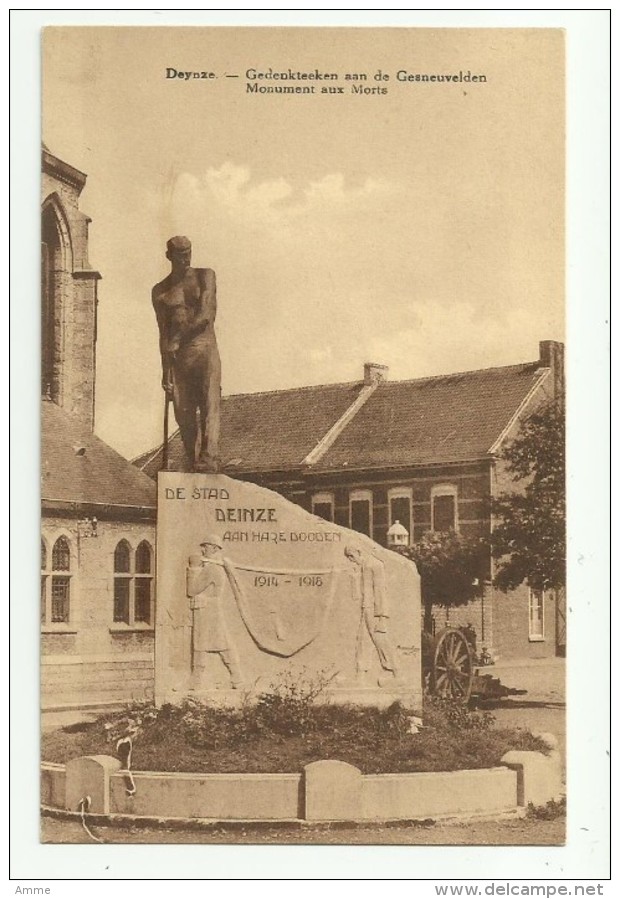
286 730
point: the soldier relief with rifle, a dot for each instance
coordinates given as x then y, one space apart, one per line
185 304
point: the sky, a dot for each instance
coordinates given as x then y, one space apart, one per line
421 228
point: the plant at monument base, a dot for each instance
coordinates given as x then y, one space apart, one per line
443 714
198 737
289 705
208 728
451 567
131 724
555 808
530 538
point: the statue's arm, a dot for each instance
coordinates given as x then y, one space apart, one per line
356 591
208 294
166 360
381 600
207 306
198 579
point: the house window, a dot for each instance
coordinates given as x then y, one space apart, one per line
444 509
360 511
323 505
537 614
144 584
400 503
122 581
56 583
133 584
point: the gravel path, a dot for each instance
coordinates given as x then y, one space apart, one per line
512 832
543 707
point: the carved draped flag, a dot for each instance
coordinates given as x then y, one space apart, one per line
283 611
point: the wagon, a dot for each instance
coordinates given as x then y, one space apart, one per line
451 671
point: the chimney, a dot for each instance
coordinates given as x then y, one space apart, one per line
551 353
375 373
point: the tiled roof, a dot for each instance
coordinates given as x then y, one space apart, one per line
78 467
448 418
268 431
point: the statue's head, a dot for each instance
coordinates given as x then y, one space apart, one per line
353 554
211 546
179 252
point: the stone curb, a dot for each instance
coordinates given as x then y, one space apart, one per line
325 791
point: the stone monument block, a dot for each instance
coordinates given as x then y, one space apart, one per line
253 591
88 783
333 791
539 776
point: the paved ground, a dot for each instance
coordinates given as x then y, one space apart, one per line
513 832
544 679
543 707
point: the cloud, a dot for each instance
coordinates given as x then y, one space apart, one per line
275 203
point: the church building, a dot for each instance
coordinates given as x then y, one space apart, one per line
97 510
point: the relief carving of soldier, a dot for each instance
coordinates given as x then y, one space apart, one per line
370 591
206 582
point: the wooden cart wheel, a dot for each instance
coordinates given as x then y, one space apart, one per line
452 672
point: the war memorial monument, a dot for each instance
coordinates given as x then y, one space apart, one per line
252 590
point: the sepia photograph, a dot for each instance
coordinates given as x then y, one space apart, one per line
303 368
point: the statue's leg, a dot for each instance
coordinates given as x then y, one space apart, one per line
362 659
230 660
185 414
384 651
209 458
198 669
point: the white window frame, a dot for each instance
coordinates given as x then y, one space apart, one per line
445 490
362 496
536 596
48 572
323 499
131 576
401 493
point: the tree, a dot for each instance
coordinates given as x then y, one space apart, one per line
451 568
530 538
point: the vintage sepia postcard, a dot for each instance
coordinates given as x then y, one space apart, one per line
303 381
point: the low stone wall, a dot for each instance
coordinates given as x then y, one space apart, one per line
96 681
324 791
53 780
437 794
261 797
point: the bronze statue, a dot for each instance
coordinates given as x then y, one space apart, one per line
185 304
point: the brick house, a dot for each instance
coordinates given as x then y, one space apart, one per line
423 452
97 510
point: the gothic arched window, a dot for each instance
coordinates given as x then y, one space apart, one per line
56 583
133 584
51 273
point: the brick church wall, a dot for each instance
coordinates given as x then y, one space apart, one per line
93 660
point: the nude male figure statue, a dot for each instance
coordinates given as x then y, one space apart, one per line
185 304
